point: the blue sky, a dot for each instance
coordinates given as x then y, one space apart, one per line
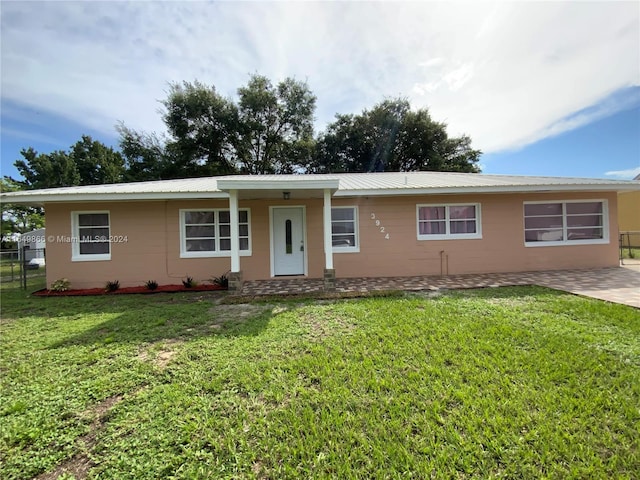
544 88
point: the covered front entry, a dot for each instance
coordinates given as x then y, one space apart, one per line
288 256
287 223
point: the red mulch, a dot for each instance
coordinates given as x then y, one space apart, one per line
127 290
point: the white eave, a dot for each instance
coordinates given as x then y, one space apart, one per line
277 182
486 189
106 197
273 186
192 188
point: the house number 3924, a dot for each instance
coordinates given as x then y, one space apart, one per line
380 226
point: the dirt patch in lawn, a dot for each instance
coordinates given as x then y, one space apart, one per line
161 356
240 312
80 464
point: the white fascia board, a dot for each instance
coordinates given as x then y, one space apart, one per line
107 197
488 189
279 184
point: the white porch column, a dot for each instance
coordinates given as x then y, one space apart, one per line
235 236
328 245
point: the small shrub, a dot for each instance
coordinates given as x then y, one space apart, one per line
221 281
189 282
60 285
112 286
151 284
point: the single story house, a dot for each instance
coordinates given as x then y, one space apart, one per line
326 226
34 243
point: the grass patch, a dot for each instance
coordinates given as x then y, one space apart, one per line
630 253
9 272
513 382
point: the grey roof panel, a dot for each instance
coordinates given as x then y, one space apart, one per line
385 183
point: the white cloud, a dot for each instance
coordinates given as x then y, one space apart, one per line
433 62
625 174
507 74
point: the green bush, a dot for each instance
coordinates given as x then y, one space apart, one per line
221 281
112 286
60 285
151 284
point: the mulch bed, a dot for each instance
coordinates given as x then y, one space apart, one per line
127 290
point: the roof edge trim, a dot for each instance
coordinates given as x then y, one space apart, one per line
278 184
107 197
487 189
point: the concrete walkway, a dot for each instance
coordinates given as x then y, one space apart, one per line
614 284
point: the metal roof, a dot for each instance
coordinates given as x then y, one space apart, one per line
349 184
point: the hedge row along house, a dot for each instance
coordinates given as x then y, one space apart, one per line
326 226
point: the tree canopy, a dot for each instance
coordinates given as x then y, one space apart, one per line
88 162
391 137
268 130
275 126
145 155
202 127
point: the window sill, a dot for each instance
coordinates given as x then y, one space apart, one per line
225 254
567 243
91 258
474 236
347 250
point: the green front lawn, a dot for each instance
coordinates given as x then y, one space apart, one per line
496 383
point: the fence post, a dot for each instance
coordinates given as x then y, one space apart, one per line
23 266
621 248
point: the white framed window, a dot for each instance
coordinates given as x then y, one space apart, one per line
569 222
207 233
344 229
90 236
449 221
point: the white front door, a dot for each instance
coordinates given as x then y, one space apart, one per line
287 241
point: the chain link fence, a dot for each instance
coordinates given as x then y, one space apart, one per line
22 265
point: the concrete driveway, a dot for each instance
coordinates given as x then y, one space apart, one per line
615 284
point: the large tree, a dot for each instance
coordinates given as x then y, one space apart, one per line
46 170
391 137
276 125
269 130
88 162
203 130
201 138
145 155
97 164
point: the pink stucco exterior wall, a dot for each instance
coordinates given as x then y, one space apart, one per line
152 249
